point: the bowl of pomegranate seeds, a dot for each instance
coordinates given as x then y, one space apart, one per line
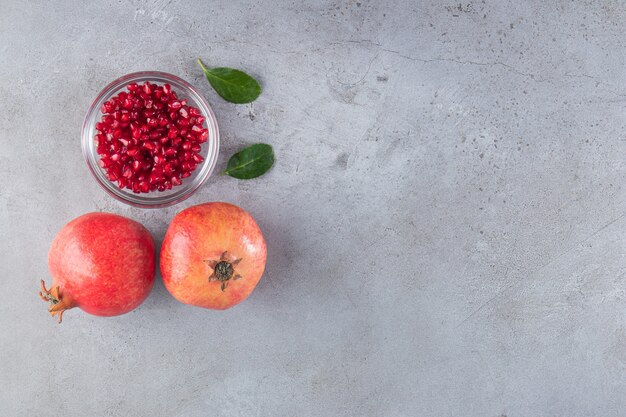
150 139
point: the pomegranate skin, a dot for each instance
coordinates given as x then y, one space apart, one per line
103 263
199 238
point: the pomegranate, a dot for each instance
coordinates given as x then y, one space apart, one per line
149 139
213 256
102 263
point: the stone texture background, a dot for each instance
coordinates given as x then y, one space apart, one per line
445 221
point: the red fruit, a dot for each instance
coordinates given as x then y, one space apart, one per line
213 256
147 123
102 263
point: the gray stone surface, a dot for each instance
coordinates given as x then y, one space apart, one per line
445 222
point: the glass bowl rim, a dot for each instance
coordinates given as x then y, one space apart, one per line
205 169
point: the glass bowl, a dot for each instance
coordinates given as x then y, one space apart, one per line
153 199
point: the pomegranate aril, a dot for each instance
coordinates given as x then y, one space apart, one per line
158 159
176 141
144 186
128 172
122 182
168 168
149 139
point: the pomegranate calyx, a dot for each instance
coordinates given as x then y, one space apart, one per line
57 303
224 269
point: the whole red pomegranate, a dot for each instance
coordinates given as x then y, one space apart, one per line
102 263
213 255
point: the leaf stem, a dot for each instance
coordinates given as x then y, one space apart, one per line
205 69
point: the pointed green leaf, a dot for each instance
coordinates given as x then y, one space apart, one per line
231 84
250 162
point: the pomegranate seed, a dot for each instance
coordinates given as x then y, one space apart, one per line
144 186
204 136
148 139
176 141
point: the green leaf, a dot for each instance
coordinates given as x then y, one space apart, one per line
250 162
232 85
